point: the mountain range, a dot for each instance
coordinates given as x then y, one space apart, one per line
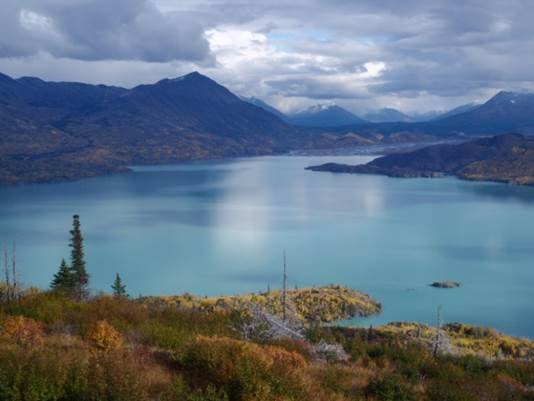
65 130
61 130
503 113
336 116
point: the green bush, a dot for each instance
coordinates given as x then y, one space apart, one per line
76 374
391 388
180 391
444 390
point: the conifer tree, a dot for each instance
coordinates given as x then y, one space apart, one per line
79 273
119 289
63 280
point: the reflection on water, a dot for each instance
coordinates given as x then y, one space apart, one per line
220 227
505 192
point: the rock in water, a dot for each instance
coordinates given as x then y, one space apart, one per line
446 284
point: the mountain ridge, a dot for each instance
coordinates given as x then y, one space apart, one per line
52 131
324 116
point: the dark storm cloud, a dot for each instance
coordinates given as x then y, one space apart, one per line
99 30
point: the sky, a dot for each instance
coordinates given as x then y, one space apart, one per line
413 55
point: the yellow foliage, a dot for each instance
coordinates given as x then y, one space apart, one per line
268 355
326 304
104 336
465 338
23 331
261 372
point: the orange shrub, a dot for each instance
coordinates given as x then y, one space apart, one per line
104 336
23 331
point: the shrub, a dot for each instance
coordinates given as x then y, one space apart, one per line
44 307
163 336
392 388
180 391
75 373
22 331
246 371
104 336
448 391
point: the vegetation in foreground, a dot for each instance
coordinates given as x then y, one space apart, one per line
64 345
114 348
307 305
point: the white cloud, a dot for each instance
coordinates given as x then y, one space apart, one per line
35 22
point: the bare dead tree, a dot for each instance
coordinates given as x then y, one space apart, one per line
284 291
437 340
14 280
6 272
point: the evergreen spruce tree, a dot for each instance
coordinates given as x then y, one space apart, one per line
63 280
79 273
119 289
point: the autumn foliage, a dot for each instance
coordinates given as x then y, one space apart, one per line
104 336
245 370
23 331
54 348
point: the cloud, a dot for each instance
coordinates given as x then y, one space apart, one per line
100 30
414 55
331 86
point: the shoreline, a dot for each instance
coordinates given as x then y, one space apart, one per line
332 317
362 150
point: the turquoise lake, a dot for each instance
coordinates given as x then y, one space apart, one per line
220 227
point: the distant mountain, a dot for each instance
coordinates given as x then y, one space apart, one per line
60 130
504 112
457 110
387 115
260 103
324 116
503 158
425 116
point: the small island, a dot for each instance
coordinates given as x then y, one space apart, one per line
446 284
505 158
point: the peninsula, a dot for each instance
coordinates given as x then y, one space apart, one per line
505 158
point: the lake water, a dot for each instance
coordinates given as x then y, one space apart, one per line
220 227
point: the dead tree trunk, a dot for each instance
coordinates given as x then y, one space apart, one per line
284 290
7 278
14 280
437 340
